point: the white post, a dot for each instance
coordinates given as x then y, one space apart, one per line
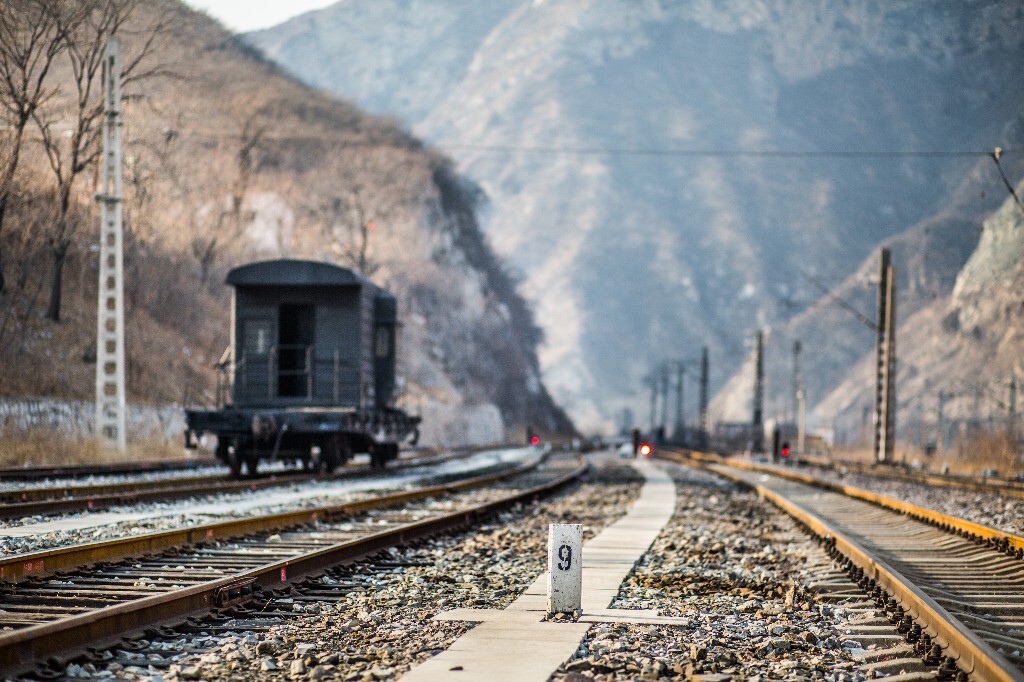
565 567
110 389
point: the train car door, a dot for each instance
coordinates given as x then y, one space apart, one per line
296 338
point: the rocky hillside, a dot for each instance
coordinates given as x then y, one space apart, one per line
228 159
603 135
961 353
837 358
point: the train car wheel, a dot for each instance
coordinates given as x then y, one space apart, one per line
234 463
328 461
251 463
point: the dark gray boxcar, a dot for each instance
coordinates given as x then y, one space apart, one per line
309 333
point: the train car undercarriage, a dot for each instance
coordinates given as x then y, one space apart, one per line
317 438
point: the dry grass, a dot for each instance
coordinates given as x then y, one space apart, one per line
969 455
42 449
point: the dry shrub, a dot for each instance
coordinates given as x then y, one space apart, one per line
40 448
986 450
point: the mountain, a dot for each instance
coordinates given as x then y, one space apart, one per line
227 159
961 367
665 175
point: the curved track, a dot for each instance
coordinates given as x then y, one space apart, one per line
956 589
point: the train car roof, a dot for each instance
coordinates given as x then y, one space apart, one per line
289 272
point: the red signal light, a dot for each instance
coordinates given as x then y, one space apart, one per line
645 449
785 452
534 440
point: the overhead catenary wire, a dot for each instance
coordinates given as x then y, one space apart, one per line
626 151
996 154
738 153
861 317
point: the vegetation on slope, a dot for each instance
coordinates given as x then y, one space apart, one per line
226 160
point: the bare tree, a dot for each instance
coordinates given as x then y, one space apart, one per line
373 185
71 137
229 220
29 43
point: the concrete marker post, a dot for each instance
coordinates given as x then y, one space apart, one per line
565 567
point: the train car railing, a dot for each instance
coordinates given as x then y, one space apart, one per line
290 374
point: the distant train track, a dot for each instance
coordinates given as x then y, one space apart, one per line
982 484
84 470
56 602
48 500
953 587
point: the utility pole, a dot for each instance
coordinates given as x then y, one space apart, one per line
801 419
1011 410
885 363
680 429
757 424
943 397
703 426
797 347
664 396
652 381
110 387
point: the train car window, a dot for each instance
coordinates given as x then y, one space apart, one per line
383 343
256 337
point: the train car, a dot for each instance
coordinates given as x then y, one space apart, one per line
309 376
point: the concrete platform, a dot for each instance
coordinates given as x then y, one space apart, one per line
515 644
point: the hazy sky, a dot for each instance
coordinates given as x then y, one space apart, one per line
248 15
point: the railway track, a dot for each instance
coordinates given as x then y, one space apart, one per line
87 470
56 602
64 499
954 588
1000 486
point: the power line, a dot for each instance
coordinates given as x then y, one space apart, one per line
737 153
327 136
996 154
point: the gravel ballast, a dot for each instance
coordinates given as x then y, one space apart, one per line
739 572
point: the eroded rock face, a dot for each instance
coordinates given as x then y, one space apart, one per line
989 287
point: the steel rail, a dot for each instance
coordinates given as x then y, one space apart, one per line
22 648
69 499
79 471
998 539
973 654
33 564
1000 486
72 499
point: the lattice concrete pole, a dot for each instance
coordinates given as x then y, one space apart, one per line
565 567
704 397
889 443
110 387
885 362
757 423
797 348
680 430
801 419
665 371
